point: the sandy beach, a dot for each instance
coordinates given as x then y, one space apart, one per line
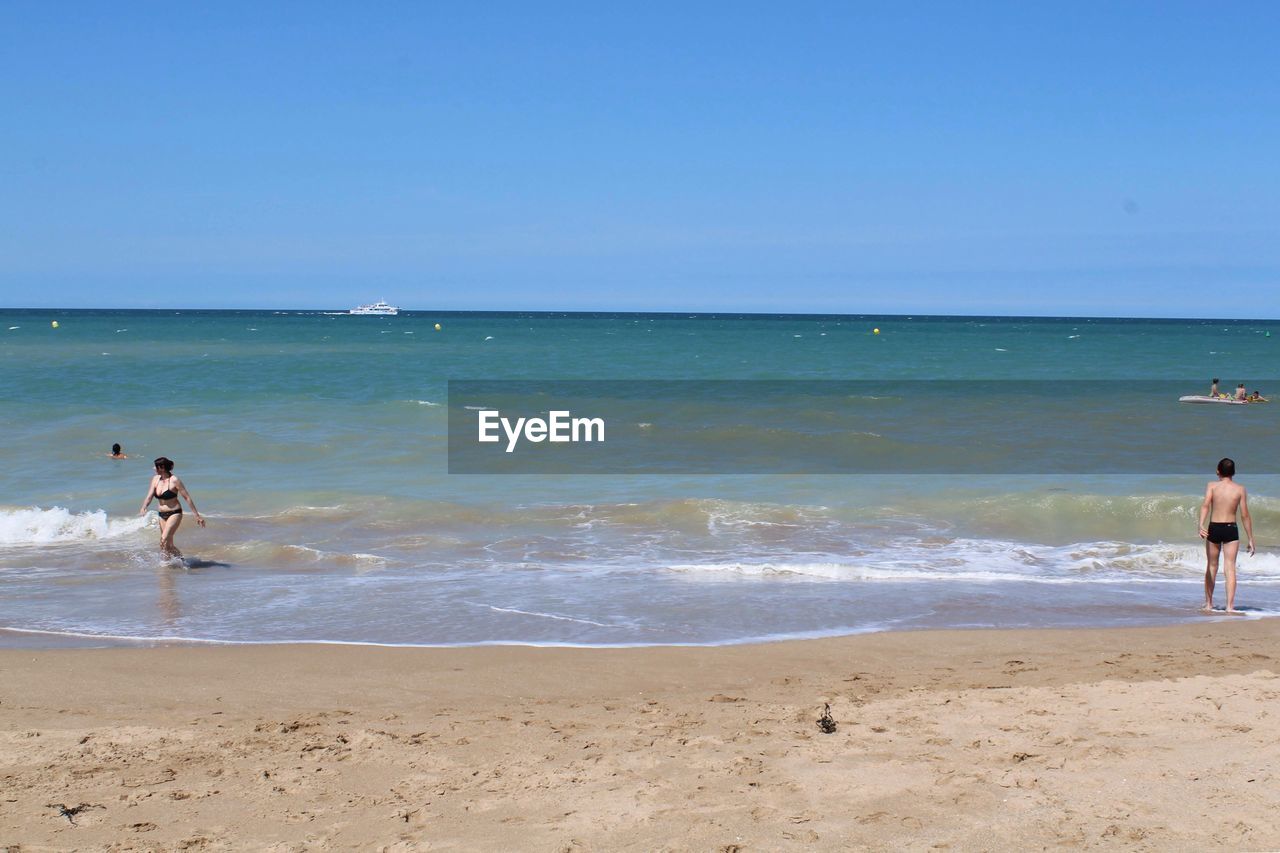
1137 739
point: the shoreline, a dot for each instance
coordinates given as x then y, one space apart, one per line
68 640
974 739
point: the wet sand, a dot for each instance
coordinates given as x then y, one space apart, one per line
1131 738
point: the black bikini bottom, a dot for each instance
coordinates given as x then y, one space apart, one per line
165 513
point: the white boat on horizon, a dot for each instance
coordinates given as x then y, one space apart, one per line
379 309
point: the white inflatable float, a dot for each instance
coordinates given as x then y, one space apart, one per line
1204 398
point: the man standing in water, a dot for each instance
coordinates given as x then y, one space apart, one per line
1222 499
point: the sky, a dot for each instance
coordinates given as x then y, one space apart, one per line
1081 158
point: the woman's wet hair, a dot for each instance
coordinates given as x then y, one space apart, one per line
166 465
115 450
1226 467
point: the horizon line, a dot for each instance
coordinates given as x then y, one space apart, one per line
666 312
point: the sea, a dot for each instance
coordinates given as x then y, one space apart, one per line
317 445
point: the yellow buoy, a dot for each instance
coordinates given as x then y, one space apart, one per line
875 331
437 327
54 324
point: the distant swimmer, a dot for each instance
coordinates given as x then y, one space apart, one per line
1213 389
117 453
166 489
1256 397
1240 392
1222 499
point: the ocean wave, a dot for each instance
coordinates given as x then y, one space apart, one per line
120 638
37 526
1068 516
1052 518
540 615
709 514
750 639
400 517
854 572
968 560
301 512
1051 536
284 555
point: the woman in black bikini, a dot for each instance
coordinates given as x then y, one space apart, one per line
166 488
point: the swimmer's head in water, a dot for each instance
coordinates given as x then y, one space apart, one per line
1226 467
165 465
115 450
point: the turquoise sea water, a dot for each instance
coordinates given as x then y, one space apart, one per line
316 444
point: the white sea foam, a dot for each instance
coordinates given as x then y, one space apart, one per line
544 615
307 552
36 526
863 572
996 561
121 638
305 512
838 631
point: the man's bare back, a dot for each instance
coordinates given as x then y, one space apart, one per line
1225 496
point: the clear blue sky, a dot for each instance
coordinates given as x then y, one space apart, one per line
1104 158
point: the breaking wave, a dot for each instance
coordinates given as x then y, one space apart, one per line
36 526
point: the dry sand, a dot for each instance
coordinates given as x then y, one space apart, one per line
1133 739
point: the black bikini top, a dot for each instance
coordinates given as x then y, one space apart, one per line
167 494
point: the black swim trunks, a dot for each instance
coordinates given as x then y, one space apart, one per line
1221 532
